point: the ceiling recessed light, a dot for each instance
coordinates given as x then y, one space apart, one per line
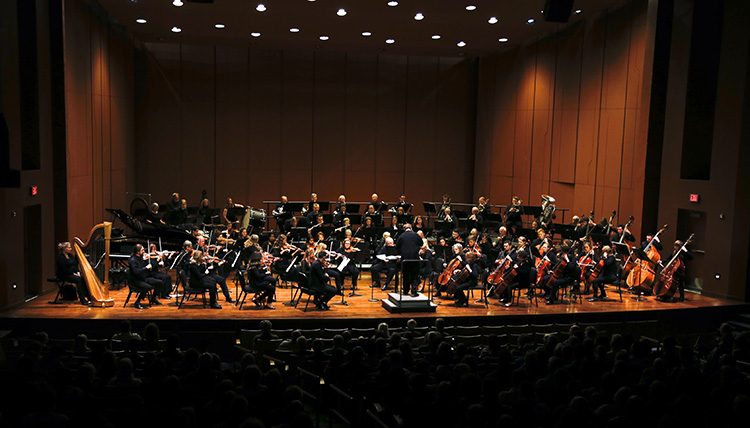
177 3
471 7
461 44
220 26
502 39
367 33
392 3
341 12
261 8
294 30
530 21
419 16
323 37
255 34
436 37
492 20
390 41
140 21
176 29
578 11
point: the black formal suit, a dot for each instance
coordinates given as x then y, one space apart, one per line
199 278
142 281
408 246
470 282
260 280
319 282
66 269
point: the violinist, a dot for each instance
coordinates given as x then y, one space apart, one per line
522 267
140 271
260 279
319 282
425 254
284 252
387 262
349 251
200 278
154 216
608 274
331 271
684 256
66 269
157 262
472 264
485 244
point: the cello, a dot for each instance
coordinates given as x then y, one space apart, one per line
671 274
562 263
641 277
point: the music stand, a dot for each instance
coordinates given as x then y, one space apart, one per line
405 218
327 218
532 210
566 231
236 212
377 219
530 234
429 207
324 205
293 207
298 233
352 208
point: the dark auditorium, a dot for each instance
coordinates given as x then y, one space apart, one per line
375 213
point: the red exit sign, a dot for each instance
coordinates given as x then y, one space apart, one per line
34 190
694 197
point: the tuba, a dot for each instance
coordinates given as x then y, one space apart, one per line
548 211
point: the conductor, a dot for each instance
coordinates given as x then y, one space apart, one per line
408 246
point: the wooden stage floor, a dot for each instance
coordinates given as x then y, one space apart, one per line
360 308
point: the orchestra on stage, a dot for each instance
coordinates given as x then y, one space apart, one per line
456 250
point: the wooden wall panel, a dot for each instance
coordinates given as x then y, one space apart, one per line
329 136
391 125
264 114
296 120
567 105
232 148
360 126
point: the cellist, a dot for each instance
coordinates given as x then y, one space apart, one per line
680 278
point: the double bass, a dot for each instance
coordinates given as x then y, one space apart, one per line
641 277
671 273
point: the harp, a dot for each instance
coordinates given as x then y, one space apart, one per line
93 260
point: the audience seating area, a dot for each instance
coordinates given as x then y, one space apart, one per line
565 375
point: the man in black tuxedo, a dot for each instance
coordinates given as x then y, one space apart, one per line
408 246
319 282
